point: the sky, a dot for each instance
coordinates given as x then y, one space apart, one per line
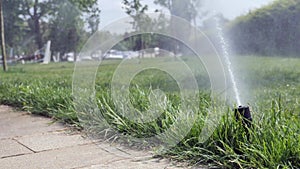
111 10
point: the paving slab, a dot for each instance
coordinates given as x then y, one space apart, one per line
50 141
10 148
67 158
125 164
146 163
124 151
34 142
10 116
5 109
21 125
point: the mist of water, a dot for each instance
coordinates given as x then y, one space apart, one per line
228 63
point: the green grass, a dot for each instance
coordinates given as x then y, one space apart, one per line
273 88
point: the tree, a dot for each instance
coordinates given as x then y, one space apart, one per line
13 23
66 24
136 11
65 28
2 38
187 9
37 12
271 30
94 20
90 8
31 23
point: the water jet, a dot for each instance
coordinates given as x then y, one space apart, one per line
242 113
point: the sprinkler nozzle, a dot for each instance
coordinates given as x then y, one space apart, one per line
243 114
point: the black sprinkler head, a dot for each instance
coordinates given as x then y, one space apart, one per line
242 113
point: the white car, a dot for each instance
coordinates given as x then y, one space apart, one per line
113 54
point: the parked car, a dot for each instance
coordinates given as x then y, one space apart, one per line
114 54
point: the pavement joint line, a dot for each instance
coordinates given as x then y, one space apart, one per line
141 159
122 150
127 156
17 155
4 139
113 161
132 159
61 148
24 145
66 147
112 153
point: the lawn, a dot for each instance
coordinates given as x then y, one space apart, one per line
271 86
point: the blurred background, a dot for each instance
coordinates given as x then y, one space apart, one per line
267 27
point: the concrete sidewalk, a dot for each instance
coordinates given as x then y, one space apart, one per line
34 142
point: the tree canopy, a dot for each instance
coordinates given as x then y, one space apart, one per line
187 9
38 21
271 30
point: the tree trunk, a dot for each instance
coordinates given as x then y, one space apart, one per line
37 28
2 38
38 37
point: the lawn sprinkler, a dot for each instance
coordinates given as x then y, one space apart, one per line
243 114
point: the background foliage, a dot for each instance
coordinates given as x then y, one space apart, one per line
273 30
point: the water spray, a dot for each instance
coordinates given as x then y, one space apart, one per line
242 113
